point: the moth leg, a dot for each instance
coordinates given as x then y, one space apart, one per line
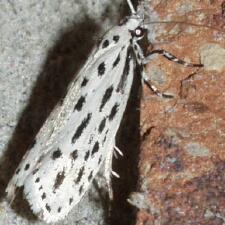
117 152
170 57
108 169
152 87
141 59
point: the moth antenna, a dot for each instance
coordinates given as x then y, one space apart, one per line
133 11
182 22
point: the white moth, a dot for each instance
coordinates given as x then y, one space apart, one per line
79 135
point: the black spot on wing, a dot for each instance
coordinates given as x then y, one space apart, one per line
102 125
113 112
18 170
87 155
70 201
27 166
84 82
56 154
40 158
105 137
48 208
59 180
59 209
81 127
123 21
79 104
91 139
101 69
100 160
105 43
40 188
126 70
95 148
106 97
37 180
80 174
116 38
43 196
35 171
90 176
81 189
115 63
74 154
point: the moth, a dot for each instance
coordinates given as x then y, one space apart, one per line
79 135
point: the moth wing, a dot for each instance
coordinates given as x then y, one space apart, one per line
57 165
60 183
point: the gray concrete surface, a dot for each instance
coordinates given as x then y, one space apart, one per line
42 45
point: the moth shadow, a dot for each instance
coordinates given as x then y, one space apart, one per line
62 64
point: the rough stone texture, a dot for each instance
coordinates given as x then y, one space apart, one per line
182 158
42 45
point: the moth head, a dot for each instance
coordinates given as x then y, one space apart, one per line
138 33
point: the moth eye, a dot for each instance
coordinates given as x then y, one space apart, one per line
139 32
